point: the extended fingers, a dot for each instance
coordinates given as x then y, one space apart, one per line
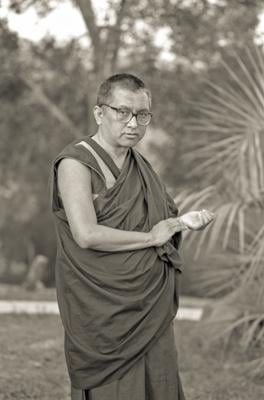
194 220
206 216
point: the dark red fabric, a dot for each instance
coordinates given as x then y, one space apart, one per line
114 305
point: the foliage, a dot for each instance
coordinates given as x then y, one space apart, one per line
33 130
47 91
228 154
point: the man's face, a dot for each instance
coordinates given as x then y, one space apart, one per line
118 133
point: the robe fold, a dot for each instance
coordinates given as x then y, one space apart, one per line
114 305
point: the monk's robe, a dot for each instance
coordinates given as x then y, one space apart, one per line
114 305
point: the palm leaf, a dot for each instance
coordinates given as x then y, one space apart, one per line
253 368
227 155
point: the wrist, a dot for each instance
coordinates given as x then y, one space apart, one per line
150 239
181 225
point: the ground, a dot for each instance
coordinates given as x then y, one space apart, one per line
16 292
33 366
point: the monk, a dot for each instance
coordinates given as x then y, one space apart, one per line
118 266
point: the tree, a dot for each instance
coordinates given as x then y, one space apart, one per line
48 89
198 30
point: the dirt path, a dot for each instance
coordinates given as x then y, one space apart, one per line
186 312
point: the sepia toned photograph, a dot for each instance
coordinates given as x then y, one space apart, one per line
131 200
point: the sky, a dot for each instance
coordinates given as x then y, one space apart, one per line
66 22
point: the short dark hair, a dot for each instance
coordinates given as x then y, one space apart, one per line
124 81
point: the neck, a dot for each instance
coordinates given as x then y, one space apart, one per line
117 152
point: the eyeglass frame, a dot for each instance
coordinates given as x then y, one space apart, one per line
132 114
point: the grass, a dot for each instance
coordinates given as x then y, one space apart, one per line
31 349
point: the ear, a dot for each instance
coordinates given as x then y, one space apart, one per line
98 114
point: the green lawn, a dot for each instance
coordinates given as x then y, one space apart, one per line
33 367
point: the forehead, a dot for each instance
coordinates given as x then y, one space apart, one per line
134 100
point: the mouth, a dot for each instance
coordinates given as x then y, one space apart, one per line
130 134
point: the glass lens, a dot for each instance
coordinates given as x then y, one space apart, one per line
143 118
124 115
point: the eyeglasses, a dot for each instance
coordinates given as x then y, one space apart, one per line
124 115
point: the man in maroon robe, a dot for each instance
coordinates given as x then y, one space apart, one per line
118 266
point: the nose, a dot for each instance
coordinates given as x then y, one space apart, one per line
133 122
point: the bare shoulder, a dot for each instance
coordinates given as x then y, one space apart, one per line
70 167
74 182
74 179
73 172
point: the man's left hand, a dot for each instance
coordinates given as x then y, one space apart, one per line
197 220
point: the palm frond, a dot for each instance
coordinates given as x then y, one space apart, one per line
253 368
227 155
194 199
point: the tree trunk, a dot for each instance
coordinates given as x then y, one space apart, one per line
105 53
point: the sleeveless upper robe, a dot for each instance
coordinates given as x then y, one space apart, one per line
114 305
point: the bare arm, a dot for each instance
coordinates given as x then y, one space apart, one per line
74 181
